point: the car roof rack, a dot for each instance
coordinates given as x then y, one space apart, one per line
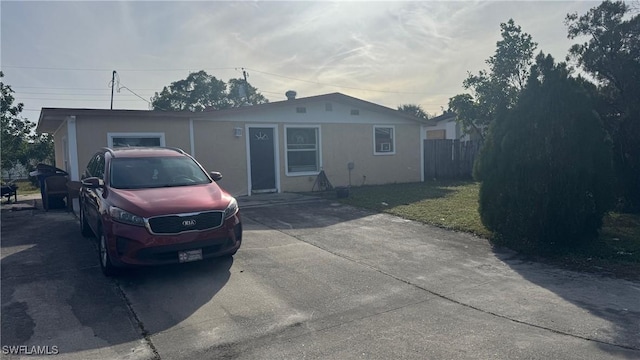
176 149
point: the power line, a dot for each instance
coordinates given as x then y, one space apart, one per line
68 88
50 93
131 91
104 69
53 99
147 89
227 68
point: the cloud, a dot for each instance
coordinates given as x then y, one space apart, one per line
387 52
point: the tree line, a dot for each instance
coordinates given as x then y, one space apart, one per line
559 149
20 144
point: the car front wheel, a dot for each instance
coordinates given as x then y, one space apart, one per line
105 260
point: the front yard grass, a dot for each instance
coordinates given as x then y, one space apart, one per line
454 205
24 188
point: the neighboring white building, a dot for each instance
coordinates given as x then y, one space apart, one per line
446 127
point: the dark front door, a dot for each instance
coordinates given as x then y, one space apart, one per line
262 155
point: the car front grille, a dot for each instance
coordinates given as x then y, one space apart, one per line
175 224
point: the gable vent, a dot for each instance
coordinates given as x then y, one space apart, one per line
355 112
301 110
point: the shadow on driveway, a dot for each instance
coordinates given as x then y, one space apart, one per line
54 294
598 308
467 270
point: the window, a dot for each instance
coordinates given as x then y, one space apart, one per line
139 173
96 166
135 139
384 140
99 169
303 150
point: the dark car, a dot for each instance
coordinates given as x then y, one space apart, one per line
151 206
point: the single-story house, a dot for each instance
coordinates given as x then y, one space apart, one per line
275 147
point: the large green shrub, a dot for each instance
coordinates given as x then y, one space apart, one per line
545 167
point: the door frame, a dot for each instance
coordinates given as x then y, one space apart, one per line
276 153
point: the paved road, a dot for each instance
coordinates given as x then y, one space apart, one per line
316 280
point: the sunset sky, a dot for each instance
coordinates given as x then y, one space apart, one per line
62 54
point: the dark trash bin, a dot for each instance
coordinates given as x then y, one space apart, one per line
42 172
342 192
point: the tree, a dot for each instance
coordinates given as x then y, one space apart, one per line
242 93
201 91
20 145
546 167
497 89
197 92
612 56
414 110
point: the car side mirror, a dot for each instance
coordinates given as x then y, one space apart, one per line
216 176
93 182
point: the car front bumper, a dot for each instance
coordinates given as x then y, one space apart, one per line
130 245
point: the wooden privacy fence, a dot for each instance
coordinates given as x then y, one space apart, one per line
449 159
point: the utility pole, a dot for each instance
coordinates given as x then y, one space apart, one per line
244 73
246 86
113 84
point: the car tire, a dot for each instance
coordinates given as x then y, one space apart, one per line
85 230
103 256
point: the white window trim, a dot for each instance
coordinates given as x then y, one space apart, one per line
393 139
286 151
159 135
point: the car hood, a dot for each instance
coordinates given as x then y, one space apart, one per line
170 200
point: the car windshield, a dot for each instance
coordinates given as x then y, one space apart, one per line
153 172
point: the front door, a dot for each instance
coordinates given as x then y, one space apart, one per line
262 159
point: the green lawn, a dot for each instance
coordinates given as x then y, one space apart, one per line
25 188
454 205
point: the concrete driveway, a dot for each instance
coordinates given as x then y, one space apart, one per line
313 279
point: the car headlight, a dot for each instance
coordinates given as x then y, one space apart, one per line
231 209
126 217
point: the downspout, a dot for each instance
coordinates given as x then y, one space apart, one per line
191 138
72 143
423 132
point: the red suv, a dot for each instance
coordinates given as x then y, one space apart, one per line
151 206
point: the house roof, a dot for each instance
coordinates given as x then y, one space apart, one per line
335 97
51 118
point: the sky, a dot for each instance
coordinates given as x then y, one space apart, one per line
63 54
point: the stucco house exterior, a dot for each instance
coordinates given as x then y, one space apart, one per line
275 147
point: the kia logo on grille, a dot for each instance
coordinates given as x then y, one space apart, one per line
188 223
